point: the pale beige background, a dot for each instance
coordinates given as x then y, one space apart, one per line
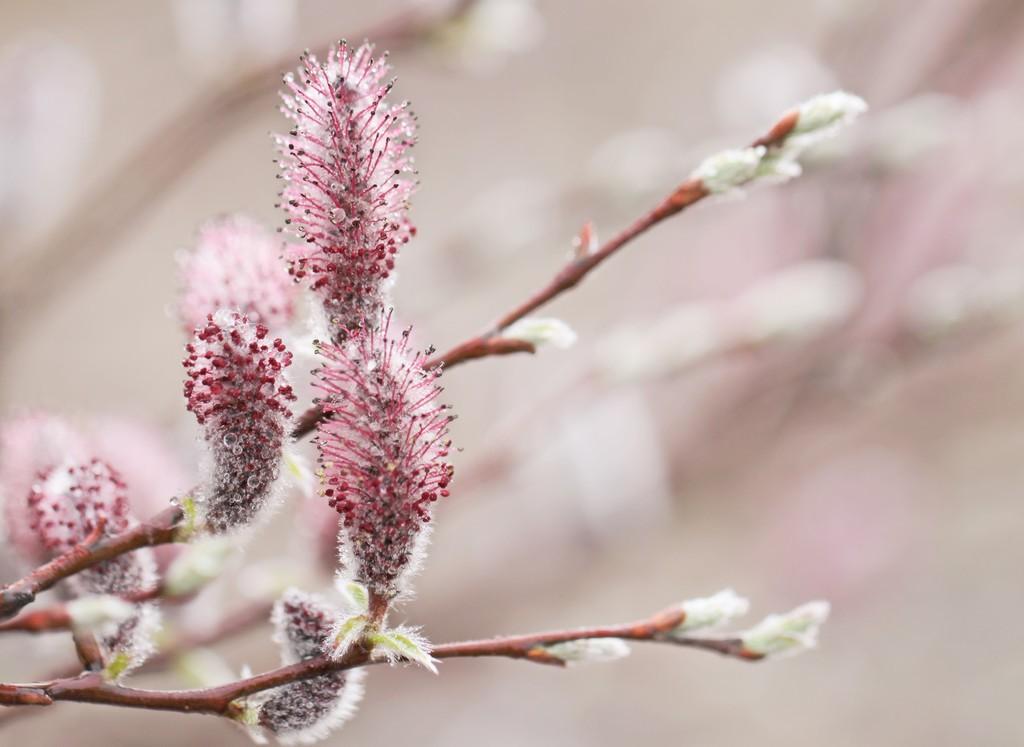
901 505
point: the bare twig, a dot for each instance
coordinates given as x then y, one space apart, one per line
222 700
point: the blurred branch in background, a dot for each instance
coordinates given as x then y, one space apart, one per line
111 208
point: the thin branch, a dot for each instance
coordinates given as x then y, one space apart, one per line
160 530
110 209
582 264
57 618
222 700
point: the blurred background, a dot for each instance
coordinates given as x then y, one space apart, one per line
813 392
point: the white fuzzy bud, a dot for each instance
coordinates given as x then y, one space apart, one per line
708 613
541 331
796 303
729 169
589 649
827 112
788 633
101 614
402 643
199 564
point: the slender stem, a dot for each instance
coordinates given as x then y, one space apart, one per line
221 700
160 530
490 342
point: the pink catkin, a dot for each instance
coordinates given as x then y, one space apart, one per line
383 453
346 165
68 504
237 389
31 444
236 265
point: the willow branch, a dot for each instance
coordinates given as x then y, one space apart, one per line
160 530
222 700
490 342
114 206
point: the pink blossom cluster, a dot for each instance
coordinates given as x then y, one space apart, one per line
235 264
346 164
383 454
237 389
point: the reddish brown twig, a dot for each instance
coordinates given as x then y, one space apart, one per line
160 530
112 207
582 263
56 617
222 700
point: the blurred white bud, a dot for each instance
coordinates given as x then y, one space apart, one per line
797 303
489 32
905 133
589 649
100 614
540 331
827 112
201 667
708 613
952 297
788 633
684 337
729 169
197 565
778 167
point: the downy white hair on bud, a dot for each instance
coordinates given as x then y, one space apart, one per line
729 169
709 613
826 112
541 331
789 633
200 563
101 614
589 650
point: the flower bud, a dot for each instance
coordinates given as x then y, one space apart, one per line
708 613
200 562
789 633
101 614
588 649
729 169
541 331
826 112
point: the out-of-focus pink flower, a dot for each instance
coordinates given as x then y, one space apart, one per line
235 265
345 165
31 444
383 454
67 506
237 388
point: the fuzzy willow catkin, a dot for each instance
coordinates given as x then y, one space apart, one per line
346 170
304 712
383 454
237 389
68 505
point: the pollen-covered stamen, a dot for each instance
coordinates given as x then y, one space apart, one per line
235 264
237 388
68 505
305 711
346 168
383 454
